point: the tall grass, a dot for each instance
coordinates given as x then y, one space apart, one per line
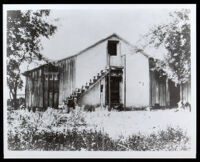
56 130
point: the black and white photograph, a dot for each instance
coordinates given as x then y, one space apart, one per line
99 81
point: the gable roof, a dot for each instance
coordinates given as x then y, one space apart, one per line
137 50
102 40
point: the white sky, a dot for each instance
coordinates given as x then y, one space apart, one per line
78 29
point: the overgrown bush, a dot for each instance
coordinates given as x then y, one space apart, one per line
89 108
56 130
169 140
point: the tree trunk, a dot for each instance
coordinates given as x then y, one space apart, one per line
15 105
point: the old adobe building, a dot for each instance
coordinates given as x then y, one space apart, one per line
110 72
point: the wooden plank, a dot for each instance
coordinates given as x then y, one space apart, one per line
27 92
40 89
46 92
37 90
162 95
61 84
153 89
56 99
30 91
150 88
43 88
167 93
160 92
51 99
40 92
67 78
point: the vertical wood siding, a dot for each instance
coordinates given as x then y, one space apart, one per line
46 92
185 92
67 78
159 92
38 91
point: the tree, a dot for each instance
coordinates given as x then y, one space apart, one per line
24 32
175 38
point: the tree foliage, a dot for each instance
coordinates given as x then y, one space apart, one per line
175 37
24 32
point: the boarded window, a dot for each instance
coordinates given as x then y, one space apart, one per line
112 48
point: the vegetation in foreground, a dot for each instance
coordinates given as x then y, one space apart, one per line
54 130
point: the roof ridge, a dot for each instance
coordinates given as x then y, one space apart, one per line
93 45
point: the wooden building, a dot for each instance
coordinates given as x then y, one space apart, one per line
110 72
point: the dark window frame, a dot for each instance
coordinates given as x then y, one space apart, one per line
112 47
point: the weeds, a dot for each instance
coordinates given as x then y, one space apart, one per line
54 130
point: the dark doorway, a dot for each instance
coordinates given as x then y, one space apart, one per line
174 93
114 91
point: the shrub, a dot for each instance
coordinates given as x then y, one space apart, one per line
89 108
169 140
56 130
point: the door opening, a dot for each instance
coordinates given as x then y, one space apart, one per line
114 91
174 93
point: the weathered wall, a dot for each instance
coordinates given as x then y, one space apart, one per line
137 80
90 63
28 91
42 91
94 60
185 92
94 96
34 89
159 90
137 72
67 77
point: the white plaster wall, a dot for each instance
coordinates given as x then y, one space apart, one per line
95 59
90 63
137 80
94 96
126 49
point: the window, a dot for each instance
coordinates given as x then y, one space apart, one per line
112 48
50 76
55 77
46 76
